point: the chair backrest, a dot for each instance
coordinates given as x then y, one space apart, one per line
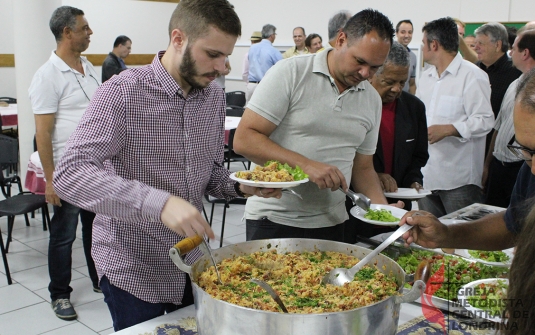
8 100
235 111
9 150
235 98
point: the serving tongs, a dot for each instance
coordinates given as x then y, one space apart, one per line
188 244
358 199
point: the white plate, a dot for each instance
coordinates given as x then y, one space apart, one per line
267 184
468 290
397 212
509 252
407 193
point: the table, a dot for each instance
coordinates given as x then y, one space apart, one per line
231 122
35 176
9 115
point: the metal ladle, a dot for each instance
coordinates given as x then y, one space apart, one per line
271 292
190 243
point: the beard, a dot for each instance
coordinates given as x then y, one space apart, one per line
188 70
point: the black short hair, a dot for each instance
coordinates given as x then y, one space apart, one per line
121 40
403 21
366 21
64 16
526 40
511 35
525 91
194 17
444 31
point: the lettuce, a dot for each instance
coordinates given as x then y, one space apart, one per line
296 172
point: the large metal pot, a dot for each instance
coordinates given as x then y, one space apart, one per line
222 318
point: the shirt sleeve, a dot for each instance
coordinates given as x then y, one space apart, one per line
44 95
521 202
479 118
81 177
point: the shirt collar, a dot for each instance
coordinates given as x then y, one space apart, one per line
452 69
498 63
61 65
169 84
320 66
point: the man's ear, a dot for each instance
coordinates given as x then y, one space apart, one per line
498 45
66 32
178 39
341 38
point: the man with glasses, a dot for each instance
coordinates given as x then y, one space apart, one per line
495 231
59 93
502 165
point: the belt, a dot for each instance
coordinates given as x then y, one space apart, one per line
254 82
510 164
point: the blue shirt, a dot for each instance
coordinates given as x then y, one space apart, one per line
262 56
521 199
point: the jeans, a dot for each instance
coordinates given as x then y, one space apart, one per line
62 235
442 202
264 228
127 310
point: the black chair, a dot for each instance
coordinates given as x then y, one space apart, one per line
231 156
235 111
8 100
236 98
226 204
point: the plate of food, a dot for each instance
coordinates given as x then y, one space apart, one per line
407 193
381 215
485 298
272 175
495 258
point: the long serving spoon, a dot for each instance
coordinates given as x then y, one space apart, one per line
271 292
340 276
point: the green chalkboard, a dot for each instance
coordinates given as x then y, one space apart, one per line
472 26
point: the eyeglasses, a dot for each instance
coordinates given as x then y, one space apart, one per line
520 151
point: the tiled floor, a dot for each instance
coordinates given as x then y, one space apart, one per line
25 305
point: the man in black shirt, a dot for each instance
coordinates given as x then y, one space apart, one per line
114 63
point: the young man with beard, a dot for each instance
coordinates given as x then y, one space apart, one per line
149 146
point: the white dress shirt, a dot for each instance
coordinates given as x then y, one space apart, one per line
461 97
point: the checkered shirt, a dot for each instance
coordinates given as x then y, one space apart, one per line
139 142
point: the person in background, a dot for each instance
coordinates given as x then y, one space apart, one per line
134 160
511 35
456 94
402 144
262 56
114 62
468 53
313 43
299 40
336 24
404 32
292 118
59 93
501 165
256 37
470 41
502 230
220 80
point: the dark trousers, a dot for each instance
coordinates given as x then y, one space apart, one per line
62 235
127 310
442 202
502 179
266 229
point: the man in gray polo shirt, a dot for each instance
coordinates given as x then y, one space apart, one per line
320 113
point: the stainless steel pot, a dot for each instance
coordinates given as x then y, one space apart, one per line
216 317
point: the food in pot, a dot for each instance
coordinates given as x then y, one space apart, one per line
273 171
382 215
296 276
456 272
490 256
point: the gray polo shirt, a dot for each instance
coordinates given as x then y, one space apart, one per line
317 121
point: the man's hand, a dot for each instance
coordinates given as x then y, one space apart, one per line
438 132
387 182
184 219
262 192
417 186
324 175
428 232
50 194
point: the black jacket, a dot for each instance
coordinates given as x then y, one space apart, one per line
410 142
110 67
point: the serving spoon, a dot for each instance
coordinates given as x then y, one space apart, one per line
340 276
271 292
358 199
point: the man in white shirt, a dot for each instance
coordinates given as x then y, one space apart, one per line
59 93
456 94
